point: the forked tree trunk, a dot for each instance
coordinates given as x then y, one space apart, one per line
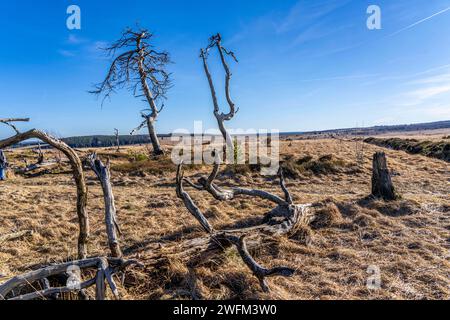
382 186
157 150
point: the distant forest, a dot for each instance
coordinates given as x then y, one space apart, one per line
109 141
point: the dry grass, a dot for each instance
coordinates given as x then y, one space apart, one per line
409 239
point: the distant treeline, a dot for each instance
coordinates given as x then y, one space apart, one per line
109 141
435 149
386 129
106 141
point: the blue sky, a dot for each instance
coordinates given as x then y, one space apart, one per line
303 65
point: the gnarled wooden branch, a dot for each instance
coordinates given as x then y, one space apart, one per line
222 194
259 271
78 175
106 268
285 218
193 209
112 229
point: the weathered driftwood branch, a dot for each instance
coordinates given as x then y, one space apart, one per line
382 186
106 268
216 41
193 209
260 272
78 175
282 220
112 228
9 122
222 194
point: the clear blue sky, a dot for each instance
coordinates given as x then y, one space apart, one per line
303 65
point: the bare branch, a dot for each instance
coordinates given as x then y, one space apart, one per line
193 209
287 194
259 271
8 122
106 269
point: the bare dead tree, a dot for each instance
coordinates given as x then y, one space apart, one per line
116 134
112 228
105 269
78 175
140 68
216 42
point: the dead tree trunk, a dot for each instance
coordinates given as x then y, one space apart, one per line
157 150
382 186
112 228
78 175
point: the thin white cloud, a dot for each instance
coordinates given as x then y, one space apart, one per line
429 92
344 77
304 12
419 22
66 53
74 40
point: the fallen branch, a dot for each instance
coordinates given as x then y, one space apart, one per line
106 268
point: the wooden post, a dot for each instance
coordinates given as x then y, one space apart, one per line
382 186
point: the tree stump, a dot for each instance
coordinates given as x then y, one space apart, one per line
382 186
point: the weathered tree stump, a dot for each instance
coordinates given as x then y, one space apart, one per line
382 186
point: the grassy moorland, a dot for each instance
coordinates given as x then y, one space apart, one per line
408 239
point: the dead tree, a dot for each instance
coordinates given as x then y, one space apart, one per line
116 134
284 219
105 269
216 42
382 186
112 228
78 175
143 70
